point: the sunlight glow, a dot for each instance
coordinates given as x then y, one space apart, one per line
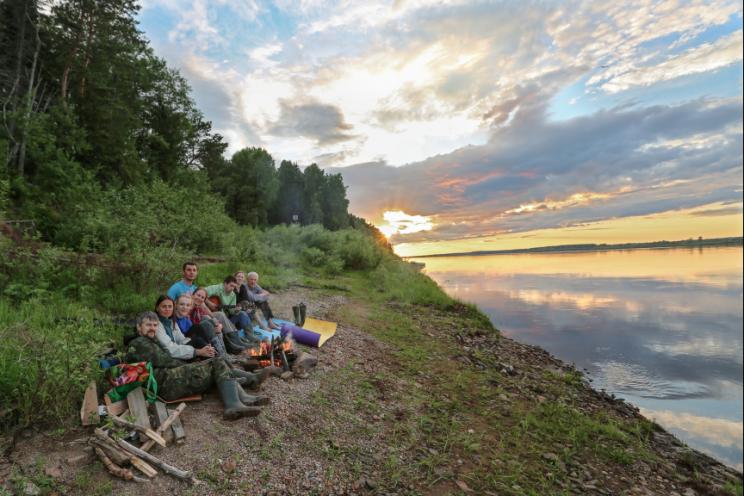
399 222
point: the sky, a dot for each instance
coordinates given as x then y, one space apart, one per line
467 125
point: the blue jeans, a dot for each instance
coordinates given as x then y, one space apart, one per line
243 321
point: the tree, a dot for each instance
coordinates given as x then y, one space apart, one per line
290 201
314 180
249 186
335 204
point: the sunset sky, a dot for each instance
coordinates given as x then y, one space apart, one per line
463 126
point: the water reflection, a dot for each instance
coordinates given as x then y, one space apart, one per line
661 328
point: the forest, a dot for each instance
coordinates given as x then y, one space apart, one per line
97 128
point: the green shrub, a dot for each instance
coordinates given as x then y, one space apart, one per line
49 354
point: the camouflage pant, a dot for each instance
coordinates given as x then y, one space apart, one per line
192 378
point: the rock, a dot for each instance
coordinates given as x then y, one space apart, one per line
551 457
31 489
463 486
78 460
689 492
369 484
228 466
53 471
287 375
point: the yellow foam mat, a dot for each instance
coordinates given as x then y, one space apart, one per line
323 327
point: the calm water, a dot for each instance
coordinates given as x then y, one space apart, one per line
660 328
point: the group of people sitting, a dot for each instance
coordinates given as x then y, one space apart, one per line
198 337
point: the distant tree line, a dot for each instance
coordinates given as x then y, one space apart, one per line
90 114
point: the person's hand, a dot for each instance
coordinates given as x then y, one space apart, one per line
207 351
218 327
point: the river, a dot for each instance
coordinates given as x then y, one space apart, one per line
660 328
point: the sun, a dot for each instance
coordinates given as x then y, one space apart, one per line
399 222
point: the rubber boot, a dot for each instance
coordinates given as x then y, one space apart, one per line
296 312
234 408
233 343
303 311
250 379
252 399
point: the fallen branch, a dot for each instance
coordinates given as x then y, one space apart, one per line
164 426
116 470
118 456
175 472
137 462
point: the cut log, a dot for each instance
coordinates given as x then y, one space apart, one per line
138 407
168 469
114 408
154 436
165 421
161 412
144 467
178 429
89 409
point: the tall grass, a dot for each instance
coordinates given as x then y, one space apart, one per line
56 306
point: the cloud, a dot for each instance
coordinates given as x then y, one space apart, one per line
535 174
722 432
319 121
703 58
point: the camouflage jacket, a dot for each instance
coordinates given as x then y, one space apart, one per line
142 349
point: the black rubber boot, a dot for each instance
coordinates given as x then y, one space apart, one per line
234 408
296 312
303 312
252 399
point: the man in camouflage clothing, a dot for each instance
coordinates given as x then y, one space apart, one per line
177 378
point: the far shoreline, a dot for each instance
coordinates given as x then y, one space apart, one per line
587 248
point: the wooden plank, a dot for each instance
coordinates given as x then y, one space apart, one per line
89 409
162 414
178 430
138 408
147 432
114 408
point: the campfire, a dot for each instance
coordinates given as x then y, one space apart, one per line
277 352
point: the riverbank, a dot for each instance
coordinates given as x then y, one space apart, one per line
416 394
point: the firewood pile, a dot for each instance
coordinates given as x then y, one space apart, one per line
114 443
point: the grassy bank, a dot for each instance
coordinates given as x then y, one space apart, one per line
434 401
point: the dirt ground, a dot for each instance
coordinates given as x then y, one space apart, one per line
337 431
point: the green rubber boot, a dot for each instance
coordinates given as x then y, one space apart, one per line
303 312
296 313
251 399
234 408
250 379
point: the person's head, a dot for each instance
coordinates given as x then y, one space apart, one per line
199 296
147 324
252 279
183 305
190 271
230 284
164 306
239 277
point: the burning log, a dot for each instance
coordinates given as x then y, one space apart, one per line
278 352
